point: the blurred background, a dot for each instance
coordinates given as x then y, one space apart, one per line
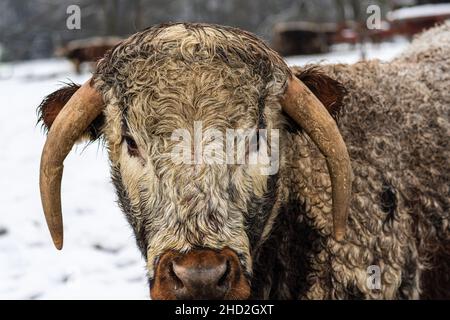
35 29
44 43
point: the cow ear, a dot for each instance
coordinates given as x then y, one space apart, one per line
329 91
52 104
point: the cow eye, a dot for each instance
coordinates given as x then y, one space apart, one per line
132 147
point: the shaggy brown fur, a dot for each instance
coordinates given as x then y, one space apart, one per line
53 104
395 123
329 91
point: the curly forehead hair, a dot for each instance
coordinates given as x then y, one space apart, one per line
192 44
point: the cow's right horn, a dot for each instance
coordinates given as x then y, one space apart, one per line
70 124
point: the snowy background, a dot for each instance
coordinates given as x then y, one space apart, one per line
100 259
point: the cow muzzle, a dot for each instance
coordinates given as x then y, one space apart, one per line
198 275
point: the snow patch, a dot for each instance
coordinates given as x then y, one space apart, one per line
423 11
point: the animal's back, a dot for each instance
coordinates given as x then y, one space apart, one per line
396 126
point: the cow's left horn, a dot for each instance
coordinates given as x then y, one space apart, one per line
82 108
305 109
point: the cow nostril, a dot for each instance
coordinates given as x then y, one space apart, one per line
223 279
178 283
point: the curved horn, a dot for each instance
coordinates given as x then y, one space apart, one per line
82 108
305 109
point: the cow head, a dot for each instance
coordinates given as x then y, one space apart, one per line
197 221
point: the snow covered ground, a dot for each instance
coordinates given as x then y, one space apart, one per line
99 259
346 54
